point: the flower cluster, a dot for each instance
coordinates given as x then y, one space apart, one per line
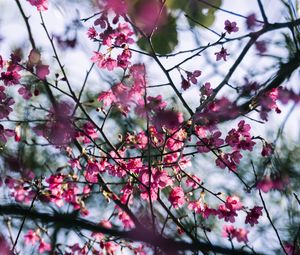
121 95
228 211
41 5
253 215
112 38
230 27
33 237
191 78
239 233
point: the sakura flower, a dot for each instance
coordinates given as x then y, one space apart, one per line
176 197
11 76
91 172
31 237
4 246
266 184
5 133
34 57
225 160
251 21
253 215
123 58
226 213
109 247
233 203
240 234
119 7
123 34
147 14
206 89
99 236
196 206
184 83
193 182
102 21
167 119
58 130
109 63
261 46
89 133
42 71
221 54
267 149
126 220
240 138
290 249
18 133
92 33
2 62
74 163
97 58
228 231
210 142
192 76
272 182
41 5
44 247
201 208
230 26
25 92
268 102
159 180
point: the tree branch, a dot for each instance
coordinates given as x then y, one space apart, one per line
138 234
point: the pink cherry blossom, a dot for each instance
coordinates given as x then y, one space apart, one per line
230 26
267 149
222 54
31 237
261 46
42 71
44 247
11 76
210 142
167 119
25 92
206 89
251 21
184 83
196 206
2 62
290 249
18 133
4 246
5 133
233 203
267 183
239 233
92 33
240 138
176 197
253 215
192 76
193 182
41 5
227 214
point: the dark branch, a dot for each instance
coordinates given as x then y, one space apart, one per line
139 234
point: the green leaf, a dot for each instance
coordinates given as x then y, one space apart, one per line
199 11
164 40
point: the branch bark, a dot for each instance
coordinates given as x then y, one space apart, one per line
138 234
